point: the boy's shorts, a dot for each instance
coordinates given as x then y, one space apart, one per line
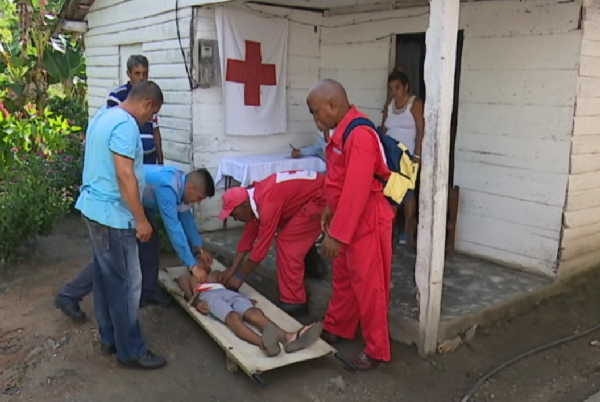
221 302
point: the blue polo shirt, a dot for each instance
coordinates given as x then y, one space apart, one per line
110 131
115 98
163 195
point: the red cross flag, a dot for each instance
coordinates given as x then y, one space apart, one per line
253 57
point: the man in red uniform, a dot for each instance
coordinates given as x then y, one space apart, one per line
286 206
358 226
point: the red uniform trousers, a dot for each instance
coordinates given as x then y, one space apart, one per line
361 282
293 242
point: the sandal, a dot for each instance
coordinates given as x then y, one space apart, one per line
270 338
306 336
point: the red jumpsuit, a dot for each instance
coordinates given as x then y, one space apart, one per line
362 221
289 207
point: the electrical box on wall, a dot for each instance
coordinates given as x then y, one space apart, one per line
207 63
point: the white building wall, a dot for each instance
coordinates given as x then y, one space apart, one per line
113 24
210 141
580 248
517 95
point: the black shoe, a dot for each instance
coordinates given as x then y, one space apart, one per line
329 337
159 298
107 349
148 361
70 308
294 310
316 267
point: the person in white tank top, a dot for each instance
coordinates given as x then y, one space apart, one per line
403 120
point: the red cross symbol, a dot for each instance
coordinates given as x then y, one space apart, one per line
251 72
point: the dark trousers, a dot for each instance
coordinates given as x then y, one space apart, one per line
117 283
149 258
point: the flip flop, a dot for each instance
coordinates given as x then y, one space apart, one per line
306 338
270 338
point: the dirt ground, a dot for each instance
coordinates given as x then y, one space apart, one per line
45 357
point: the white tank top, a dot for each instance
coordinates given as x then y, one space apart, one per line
400 124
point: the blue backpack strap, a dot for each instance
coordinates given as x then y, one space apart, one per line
359 121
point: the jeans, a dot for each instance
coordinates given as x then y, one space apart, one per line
117 284
149 253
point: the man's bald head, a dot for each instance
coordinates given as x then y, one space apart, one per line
328 103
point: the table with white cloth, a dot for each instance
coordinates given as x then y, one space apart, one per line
250 168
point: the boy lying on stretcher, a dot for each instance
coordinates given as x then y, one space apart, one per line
203 290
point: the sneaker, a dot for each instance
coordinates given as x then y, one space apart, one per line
70 308
148 361
159 298
107 349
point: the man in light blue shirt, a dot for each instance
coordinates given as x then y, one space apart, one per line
168 193
110 203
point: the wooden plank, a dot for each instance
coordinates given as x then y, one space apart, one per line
372 55
178 111
104 60
584 181
587 106
177 152
439 75
149 46
303 41
585 125
585 163
529 241
578 247
574 233
101 51
591 30
540 155
103 72
136 23
582 217
98 91
590 47
586 144
179 136
528 185
526 121
542 87
177 97
179 124
537 52
589 66
506 258
585 199
111 83
510 18
164 31
173 84
166 56
578 264
248 357
588 87
509 210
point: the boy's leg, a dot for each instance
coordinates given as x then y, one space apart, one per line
235 322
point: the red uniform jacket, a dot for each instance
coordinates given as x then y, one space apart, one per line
277 199
351 171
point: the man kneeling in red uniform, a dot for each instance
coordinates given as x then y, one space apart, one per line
286 206
358 226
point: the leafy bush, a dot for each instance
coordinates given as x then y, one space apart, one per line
30 204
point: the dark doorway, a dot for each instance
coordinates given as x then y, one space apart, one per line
410 58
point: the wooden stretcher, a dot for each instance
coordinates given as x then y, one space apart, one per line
238 353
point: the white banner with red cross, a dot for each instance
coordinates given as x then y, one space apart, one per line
253 57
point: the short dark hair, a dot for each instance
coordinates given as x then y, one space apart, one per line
204 175
398 75
145 90
136 60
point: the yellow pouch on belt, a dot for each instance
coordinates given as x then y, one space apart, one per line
406 179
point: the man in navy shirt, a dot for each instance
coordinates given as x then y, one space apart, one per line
137 71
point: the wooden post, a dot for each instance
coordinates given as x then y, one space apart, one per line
439 80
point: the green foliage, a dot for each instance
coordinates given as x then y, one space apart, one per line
30 203
73 109
42 133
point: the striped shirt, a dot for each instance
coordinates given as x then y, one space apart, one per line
119 95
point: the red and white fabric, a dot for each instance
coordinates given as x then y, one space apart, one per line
253 58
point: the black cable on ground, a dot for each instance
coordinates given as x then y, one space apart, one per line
528 353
